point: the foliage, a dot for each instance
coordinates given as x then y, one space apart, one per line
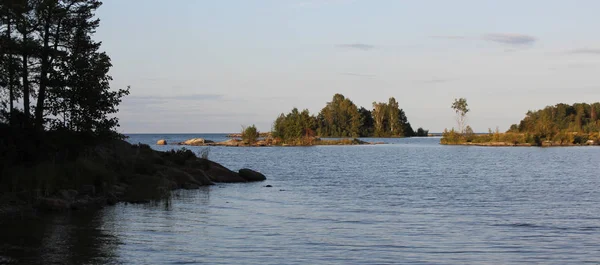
250 134
461 108
561 124
342 118
422 132
339 118
179 157
48 56
295 126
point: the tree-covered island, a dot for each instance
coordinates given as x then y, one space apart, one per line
558 125
340 119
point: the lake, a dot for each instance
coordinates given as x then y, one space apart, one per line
411 201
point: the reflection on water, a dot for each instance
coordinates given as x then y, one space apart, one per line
410 202
59 239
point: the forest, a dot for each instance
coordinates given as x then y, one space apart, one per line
342 118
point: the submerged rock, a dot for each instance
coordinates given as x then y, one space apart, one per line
251 175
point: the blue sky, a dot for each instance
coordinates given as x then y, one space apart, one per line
213 66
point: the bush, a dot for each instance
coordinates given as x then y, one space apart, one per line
250 134
452 137
179 157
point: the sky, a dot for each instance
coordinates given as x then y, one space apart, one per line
199 66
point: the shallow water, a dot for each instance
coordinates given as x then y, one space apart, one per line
412 201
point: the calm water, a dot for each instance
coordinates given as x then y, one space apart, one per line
409 202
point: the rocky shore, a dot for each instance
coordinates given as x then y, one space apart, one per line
270 142
543 144
140 175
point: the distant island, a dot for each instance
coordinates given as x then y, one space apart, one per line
558 125
340 119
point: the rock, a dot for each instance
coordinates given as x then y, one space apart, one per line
87 202
199 175
89 190
268 186
196 142
231 142
53 204
218 173
590 142
118 190
161 142
68 195
251 175
190 186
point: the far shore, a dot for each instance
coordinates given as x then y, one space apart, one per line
270 142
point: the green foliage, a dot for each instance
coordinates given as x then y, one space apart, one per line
295 126
179 157
558 123
366 122
421 132
250 134
48 55
341 118
461 107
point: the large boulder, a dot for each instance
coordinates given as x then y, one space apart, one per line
180 177
231 142
196 142
161 142
218 173
251 175
199 175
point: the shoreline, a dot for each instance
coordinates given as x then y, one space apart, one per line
505 144
152 176
269 142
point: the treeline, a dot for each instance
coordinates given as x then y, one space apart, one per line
342 118
561 118
561 124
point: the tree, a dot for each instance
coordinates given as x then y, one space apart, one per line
394 113
59 65
461 108
379 116
250 134
421 132
366 122
339 118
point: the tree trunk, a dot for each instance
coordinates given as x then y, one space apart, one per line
39 110
10 72
25 76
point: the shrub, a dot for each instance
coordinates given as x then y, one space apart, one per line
179 157
250 134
